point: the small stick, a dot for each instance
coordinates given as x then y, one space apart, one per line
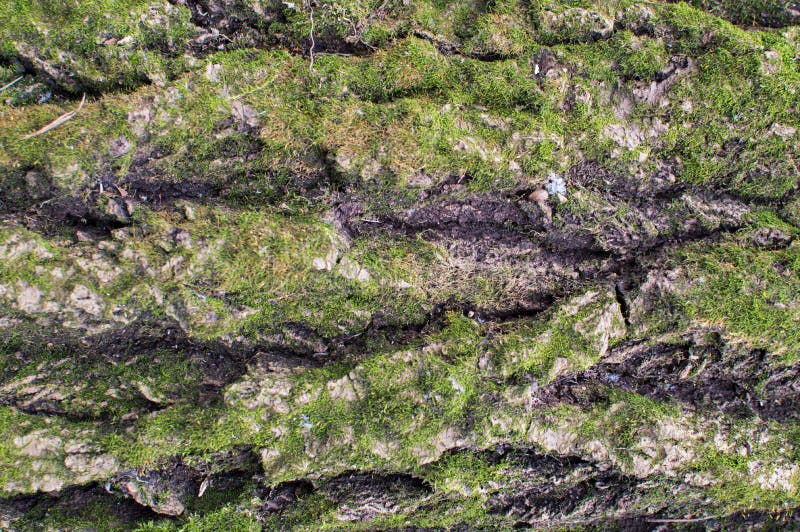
313 44
686 520
57 122
122 192
7 85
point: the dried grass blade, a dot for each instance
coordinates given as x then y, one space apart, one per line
57 122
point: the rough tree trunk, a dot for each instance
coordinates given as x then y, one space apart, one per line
399 265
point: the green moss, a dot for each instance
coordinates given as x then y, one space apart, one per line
15 465
743 92
638 58
464 472
180 430
100 45
27 255
772 13
353 105
625 414
228 518
567 336
502 32
434 90
753 473
751 292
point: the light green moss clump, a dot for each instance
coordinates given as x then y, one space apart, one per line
748 291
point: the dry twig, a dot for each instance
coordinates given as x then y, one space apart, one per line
683 520
313 44
57 122
11 84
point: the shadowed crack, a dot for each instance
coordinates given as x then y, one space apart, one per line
26 512
698 374
63 376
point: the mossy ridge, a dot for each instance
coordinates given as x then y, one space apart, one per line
452 388
384 91
766 452
343 433
450 359
259 267
42 444
59 376
769 13
747 288
95 45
